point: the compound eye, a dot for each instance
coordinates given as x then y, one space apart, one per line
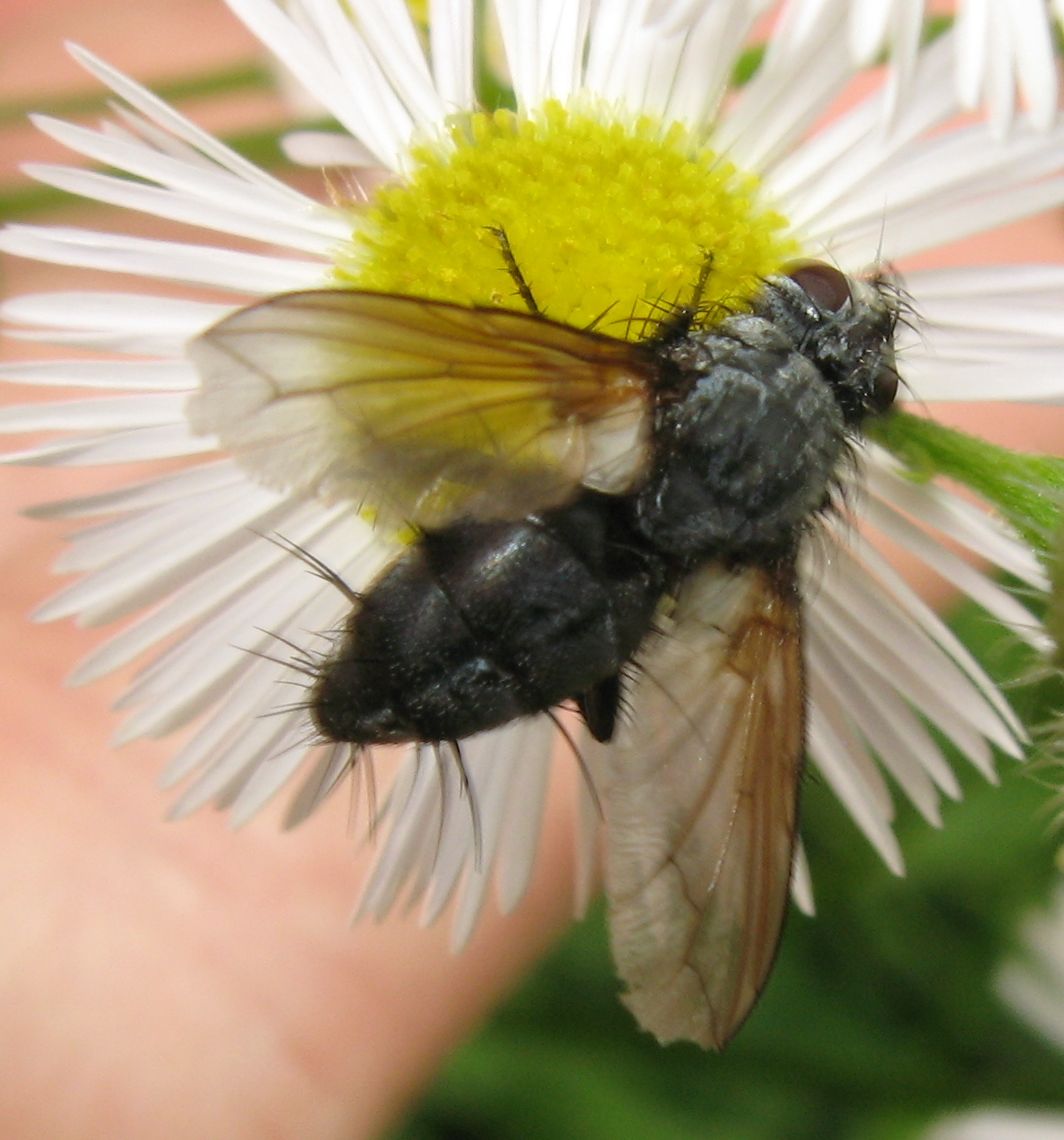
884 389
827 288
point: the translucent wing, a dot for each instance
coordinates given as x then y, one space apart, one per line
426 409
700 806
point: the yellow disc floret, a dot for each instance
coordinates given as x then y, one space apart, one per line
611 220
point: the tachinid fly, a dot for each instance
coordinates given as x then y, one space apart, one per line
604 523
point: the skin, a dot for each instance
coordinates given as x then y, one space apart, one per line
165 979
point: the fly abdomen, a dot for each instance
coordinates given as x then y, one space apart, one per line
483 622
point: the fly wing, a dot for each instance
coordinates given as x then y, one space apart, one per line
426 409
701 804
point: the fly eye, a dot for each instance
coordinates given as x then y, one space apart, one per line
826 287
884 389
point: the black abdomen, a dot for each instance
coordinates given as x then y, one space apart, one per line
483 622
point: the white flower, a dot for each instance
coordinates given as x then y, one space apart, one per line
185 551
1031 983
998 49
999 1123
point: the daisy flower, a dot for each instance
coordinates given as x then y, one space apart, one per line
990 1124
622 161
1031 983
999 50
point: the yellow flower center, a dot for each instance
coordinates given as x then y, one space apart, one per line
611 220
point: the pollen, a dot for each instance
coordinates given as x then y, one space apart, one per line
596 219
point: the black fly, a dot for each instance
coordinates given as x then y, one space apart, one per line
588 508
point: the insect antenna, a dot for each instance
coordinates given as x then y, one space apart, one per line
704 270
585 770
524 290
679 317
667 320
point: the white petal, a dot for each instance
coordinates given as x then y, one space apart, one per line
959 573
114 413
330 765
176 124
174 261
907 647
529 758
846 766
140 375
197 183
987 332
250 563
355 66
133 445
804 69
999 1124
135 323
965 701
908 26
325 149
802 882
972 35
389 33
135 561
357 96
705 67
884 187
1032 982
868 28
823 170
214 659
938 507
897 737
631 60
1036 66
519 25
566 33
138 496
133 195
451 25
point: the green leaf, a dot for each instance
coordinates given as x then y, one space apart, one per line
1028 490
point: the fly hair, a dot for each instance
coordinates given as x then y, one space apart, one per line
318 567
289 664
585 770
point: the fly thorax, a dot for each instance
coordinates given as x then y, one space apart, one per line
747 451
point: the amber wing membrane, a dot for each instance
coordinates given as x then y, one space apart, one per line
428 410
700 801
